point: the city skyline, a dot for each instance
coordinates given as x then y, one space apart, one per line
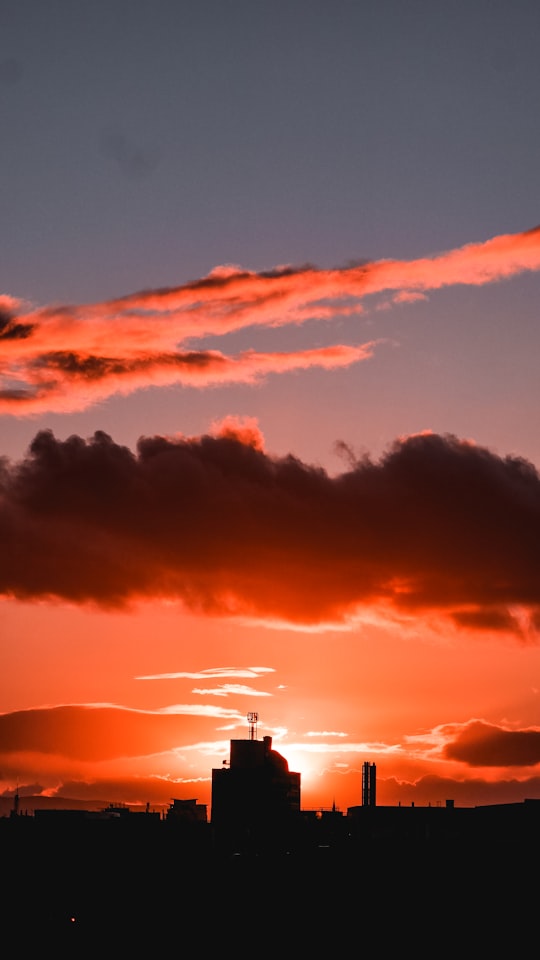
268 399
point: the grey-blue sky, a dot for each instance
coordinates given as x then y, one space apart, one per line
145 142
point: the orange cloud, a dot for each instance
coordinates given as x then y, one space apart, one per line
66 382
244 429
437 526
67 357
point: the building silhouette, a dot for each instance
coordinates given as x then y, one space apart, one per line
255 798
256 809
187 811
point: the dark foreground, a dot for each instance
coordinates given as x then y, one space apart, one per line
101 892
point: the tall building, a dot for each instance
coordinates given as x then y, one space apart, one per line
369 784
255 799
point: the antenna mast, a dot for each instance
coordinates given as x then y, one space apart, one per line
253 719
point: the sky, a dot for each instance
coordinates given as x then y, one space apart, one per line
269 428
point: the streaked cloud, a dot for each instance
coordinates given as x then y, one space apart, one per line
230 689
66 357
325 733
240 673
369 749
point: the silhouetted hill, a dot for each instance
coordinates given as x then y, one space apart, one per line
28 805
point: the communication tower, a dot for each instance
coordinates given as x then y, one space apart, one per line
253 719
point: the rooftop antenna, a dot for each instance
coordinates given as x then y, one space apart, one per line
253 719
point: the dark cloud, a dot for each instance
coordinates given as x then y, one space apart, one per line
90 733
466 793
83 367
96 793
18 395
437 525
11 328
91 367
484 745
131 790
488 619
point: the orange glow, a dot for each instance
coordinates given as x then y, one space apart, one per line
153 596
164 740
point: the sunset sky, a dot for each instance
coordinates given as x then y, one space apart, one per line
269 396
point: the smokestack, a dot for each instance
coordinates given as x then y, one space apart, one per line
369 784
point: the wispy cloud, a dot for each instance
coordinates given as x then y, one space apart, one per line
216 672
368 749
230 689
66 357
325 733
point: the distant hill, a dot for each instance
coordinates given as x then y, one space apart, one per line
29 804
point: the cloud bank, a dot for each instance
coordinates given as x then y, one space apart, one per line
67 751
67 357
481 744
91 733
438 526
